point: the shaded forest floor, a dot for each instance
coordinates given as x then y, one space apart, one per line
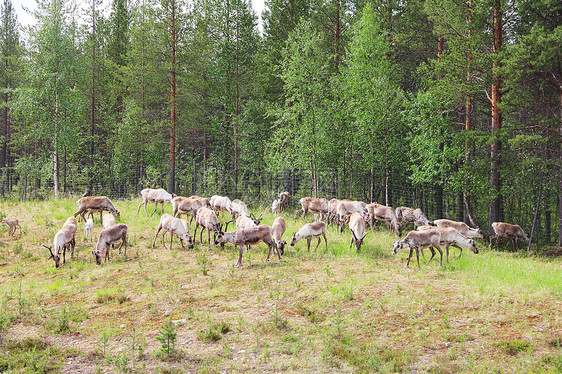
328 311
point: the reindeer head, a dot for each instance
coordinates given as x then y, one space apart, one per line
281 246
358 242
294 240
256 220
55 257
399 229
472 246
398 245
188 239
98 255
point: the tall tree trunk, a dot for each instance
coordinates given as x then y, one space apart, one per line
560 174
172 171
93 93
495 180
337 32
56 149
236 108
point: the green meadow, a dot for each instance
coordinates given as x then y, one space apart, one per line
328 311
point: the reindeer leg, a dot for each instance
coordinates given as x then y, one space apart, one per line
308 244
418 256
155 207
125 241
209 236
441 253
460 249
351 243
154 241
317 244
171 239
268 252
409 257
241 252
432 255
195 232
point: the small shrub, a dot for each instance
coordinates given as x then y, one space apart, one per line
214 331
513 347
167 338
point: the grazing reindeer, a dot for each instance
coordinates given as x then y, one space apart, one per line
416 240
277 231
461 227
414 216
207 219
64 238
309 232
90 204
187 205
347 208
451 237
384 213
108 237
239 208
221 203
313 205
174 226
12 225
357 227
248 236
508 231
108 220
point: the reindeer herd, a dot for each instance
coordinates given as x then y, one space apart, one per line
208 214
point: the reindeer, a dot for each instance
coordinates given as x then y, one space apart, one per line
156 196
357 227
309 232
508 231
88 226
277 231
207 219
174 226
346 208
451 237
108 237
90 204
461 227
414 216
416 240
12 226
384 213
64 238
187 205
246 237
314 205
221 204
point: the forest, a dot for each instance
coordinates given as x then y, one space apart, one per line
451 106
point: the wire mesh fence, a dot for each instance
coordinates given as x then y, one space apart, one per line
259 187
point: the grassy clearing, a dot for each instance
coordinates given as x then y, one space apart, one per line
329 310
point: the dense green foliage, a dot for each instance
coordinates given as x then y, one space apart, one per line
382 101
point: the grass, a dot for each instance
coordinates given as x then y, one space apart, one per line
330 310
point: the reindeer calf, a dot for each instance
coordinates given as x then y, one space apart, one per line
12 225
